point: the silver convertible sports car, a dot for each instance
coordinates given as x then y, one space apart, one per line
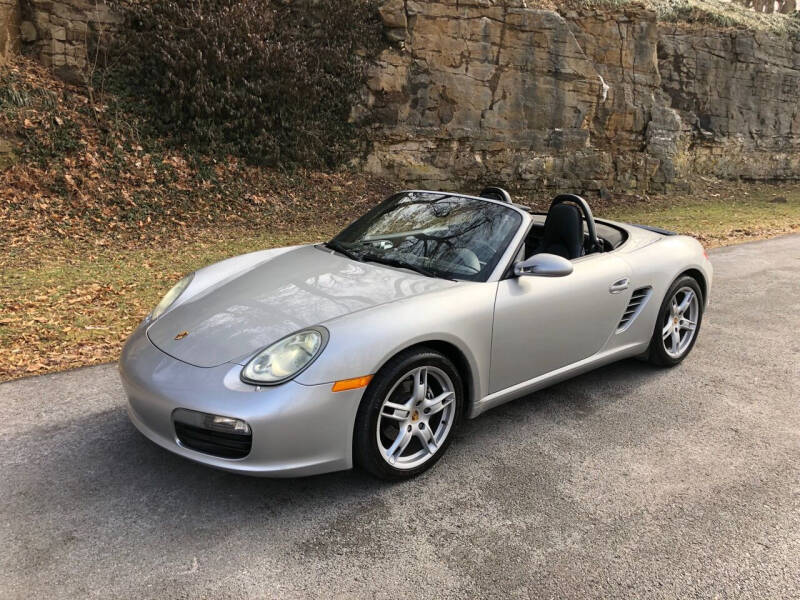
371 349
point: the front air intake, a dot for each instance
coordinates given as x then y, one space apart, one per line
226 437
638 299
216 443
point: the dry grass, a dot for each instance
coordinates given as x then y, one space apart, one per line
67 303
97 220
721 214
94 172
723 13
701 13
98 217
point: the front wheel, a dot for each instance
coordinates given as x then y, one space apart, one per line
408 415
678 323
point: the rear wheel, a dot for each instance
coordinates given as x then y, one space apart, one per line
408 415
678 323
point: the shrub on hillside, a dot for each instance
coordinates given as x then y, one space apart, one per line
270 80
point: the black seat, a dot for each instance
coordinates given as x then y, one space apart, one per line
563 232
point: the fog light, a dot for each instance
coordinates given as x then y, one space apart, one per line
226 424
212 422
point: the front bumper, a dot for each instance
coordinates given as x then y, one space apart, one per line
297 429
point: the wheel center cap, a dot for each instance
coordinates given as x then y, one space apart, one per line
415 416
675 320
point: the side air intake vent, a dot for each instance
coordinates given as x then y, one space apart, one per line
638 299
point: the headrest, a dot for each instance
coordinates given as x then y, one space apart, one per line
563 231
565 218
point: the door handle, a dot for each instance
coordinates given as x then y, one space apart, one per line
619 286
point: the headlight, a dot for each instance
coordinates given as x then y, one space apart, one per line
286 358
171 296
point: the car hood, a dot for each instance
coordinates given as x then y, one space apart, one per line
300 288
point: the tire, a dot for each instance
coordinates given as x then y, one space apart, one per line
665 349
399 433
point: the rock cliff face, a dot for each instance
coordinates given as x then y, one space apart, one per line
62 31
58 32
9 29
475 91
738 93
480 90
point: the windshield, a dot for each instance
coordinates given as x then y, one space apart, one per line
435 234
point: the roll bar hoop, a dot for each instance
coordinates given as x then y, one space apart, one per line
587 216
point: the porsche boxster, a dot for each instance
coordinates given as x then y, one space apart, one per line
370 349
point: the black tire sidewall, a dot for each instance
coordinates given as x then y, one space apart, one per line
658 355
366 453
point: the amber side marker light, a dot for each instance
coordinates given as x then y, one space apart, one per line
352 384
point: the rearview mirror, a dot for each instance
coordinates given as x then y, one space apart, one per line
543 265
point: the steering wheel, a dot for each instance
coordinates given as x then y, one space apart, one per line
594 242
463 257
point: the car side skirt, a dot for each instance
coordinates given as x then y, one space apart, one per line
553 377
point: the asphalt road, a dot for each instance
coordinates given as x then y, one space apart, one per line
626 482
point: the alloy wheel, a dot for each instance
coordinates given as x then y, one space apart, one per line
416 417
680 322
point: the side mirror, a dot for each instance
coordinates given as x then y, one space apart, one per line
544 265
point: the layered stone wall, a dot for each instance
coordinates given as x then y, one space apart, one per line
589 100
59 32
738 93
476 89
63 30
482 90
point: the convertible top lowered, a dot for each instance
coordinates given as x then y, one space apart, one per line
369 349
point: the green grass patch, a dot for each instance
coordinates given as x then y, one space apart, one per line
732 216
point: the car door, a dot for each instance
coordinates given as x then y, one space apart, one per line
544 323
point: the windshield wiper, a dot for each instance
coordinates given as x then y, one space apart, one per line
337 247
394 262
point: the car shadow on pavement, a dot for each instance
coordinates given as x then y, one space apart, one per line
566 404
98 472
